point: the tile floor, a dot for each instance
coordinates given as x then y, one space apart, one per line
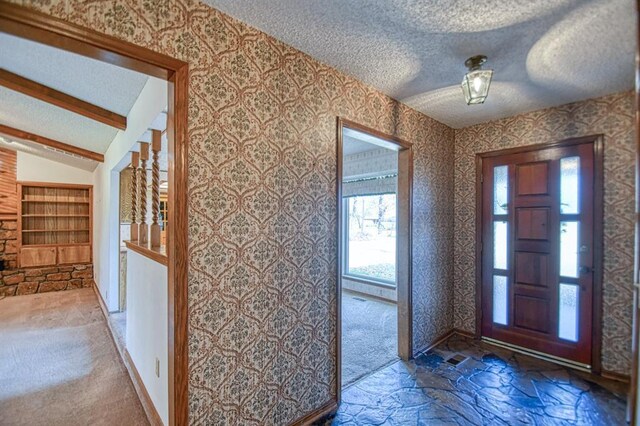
492 386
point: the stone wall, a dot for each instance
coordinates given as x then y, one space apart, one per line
16 281
8 244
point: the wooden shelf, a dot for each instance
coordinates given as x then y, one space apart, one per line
56 201
54 215
57 215
55 230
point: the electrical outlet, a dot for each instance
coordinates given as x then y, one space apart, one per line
157 367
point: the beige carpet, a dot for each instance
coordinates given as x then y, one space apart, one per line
369 335
59 365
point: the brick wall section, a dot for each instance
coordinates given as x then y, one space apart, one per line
16 281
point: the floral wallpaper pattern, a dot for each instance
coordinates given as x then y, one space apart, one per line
262 218
612 116
262 207
126 184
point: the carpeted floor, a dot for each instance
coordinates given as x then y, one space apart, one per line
118 322
59 364
369 335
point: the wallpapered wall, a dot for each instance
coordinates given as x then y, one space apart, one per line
610 115
262 209
126 184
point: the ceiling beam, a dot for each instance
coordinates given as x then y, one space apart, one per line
46 94
20 134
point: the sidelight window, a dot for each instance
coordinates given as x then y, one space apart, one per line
570 185
569 237
500 299
501 189
500 245
568 310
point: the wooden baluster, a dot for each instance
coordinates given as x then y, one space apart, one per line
135 163
156 146
143 237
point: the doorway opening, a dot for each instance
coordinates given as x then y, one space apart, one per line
374 199
540 250
36 27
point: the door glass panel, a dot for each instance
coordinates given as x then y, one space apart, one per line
569 249
568 309
500 299
500 189
500 245
570 185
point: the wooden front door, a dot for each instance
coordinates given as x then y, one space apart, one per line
538 249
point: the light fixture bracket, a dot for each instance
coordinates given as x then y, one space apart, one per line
475 62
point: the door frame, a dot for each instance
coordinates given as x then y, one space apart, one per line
45 29
632 400
404 250
598 233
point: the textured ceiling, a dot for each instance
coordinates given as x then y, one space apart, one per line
543 52
105 85
31 115
352 146
355 142
110 87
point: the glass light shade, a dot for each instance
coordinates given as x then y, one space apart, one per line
475 86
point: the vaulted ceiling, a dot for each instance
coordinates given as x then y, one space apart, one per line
100 84
543 52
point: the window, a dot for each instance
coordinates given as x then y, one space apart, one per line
500 299
370 249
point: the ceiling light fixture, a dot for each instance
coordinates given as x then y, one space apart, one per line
475 84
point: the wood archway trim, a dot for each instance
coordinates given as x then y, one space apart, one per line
35 26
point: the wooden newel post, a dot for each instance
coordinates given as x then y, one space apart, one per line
156 146
143 237
135 163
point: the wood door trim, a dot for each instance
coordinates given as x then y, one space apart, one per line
598 232
339 225
598 253
405 302
42 28
535 147
632 401
356 126
45 29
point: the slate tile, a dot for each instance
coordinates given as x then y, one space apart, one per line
492 387
428 360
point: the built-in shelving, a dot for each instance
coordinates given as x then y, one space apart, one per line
53 215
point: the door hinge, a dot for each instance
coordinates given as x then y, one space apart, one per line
481 177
